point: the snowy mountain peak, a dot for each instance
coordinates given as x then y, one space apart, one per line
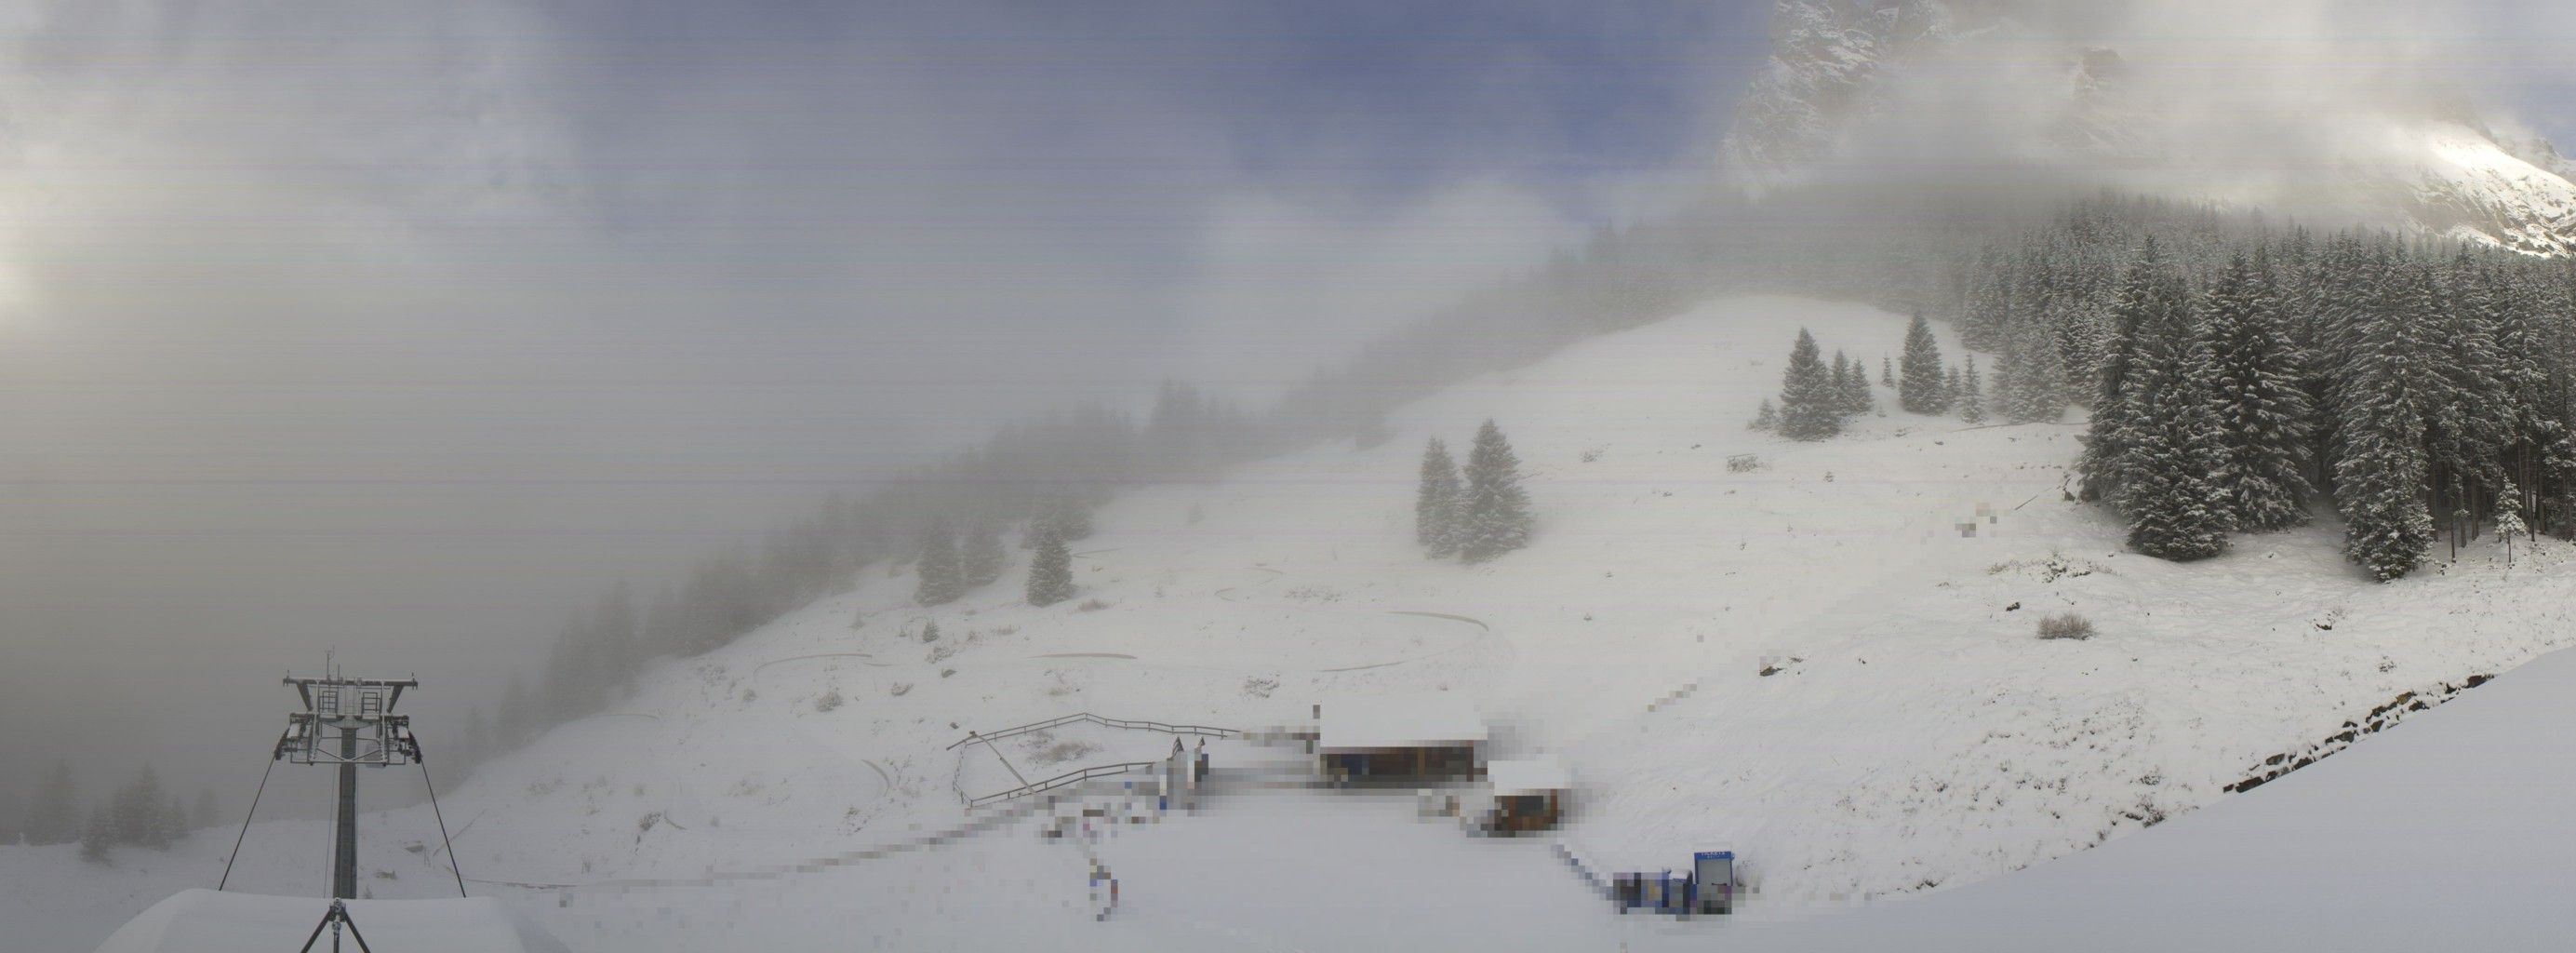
1881 88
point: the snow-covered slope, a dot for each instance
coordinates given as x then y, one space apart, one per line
1826 663
1880 89
2449 832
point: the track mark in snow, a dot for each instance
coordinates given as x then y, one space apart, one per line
1086 655
1479 623
755 670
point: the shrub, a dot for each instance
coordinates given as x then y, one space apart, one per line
2065 625
1092 605
830 700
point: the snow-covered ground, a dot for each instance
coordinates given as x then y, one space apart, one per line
1827 664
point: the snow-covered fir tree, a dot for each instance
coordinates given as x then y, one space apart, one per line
1972 394
1494 514
1921 388
941 579
1768 418
2032 384
1887 368
1050 568
1856 396
980 561
2383 469
2152 296
1436 502
2175 449
2261 405
1809 405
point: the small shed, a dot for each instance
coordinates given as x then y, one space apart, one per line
1408 740
1529 795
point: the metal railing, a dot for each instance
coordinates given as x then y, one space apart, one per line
1061 780
1212 732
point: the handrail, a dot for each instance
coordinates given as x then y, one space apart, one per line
1069 777
1122 723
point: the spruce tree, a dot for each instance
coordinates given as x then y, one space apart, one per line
137 811
1841 381
2382 470
2033 378
1768 418
1435 502
941 579
1856 395
2261 403
980 562
1050 569
1972 395
2175 446
98 835
2151 296
1920 390
1887 370
1807 397
1494 512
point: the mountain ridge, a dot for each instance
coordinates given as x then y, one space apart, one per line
2005 89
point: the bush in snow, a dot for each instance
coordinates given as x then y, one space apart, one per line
830 700
2065 625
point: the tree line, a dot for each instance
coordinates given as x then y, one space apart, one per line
2420 389
139 813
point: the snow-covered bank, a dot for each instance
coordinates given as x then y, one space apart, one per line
2449 832
1827 662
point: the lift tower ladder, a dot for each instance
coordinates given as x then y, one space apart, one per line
348 722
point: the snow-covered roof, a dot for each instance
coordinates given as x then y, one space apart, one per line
1531 776
208 921
1403 722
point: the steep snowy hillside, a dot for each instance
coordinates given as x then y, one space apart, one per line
1826 662
1876 89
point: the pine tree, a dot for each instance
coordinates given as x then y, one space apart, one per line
1807 396
2151 296
137 811
1972 395
1840 379
2382 471
1435 502
1051 569
1856 387
2175 444
1495 517
1887 370
1920 390
2261 403
2033 378
981 561
1768 418
54 817
98 835
941 578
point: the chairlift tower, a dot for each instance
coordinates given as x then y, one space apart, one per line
348 722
